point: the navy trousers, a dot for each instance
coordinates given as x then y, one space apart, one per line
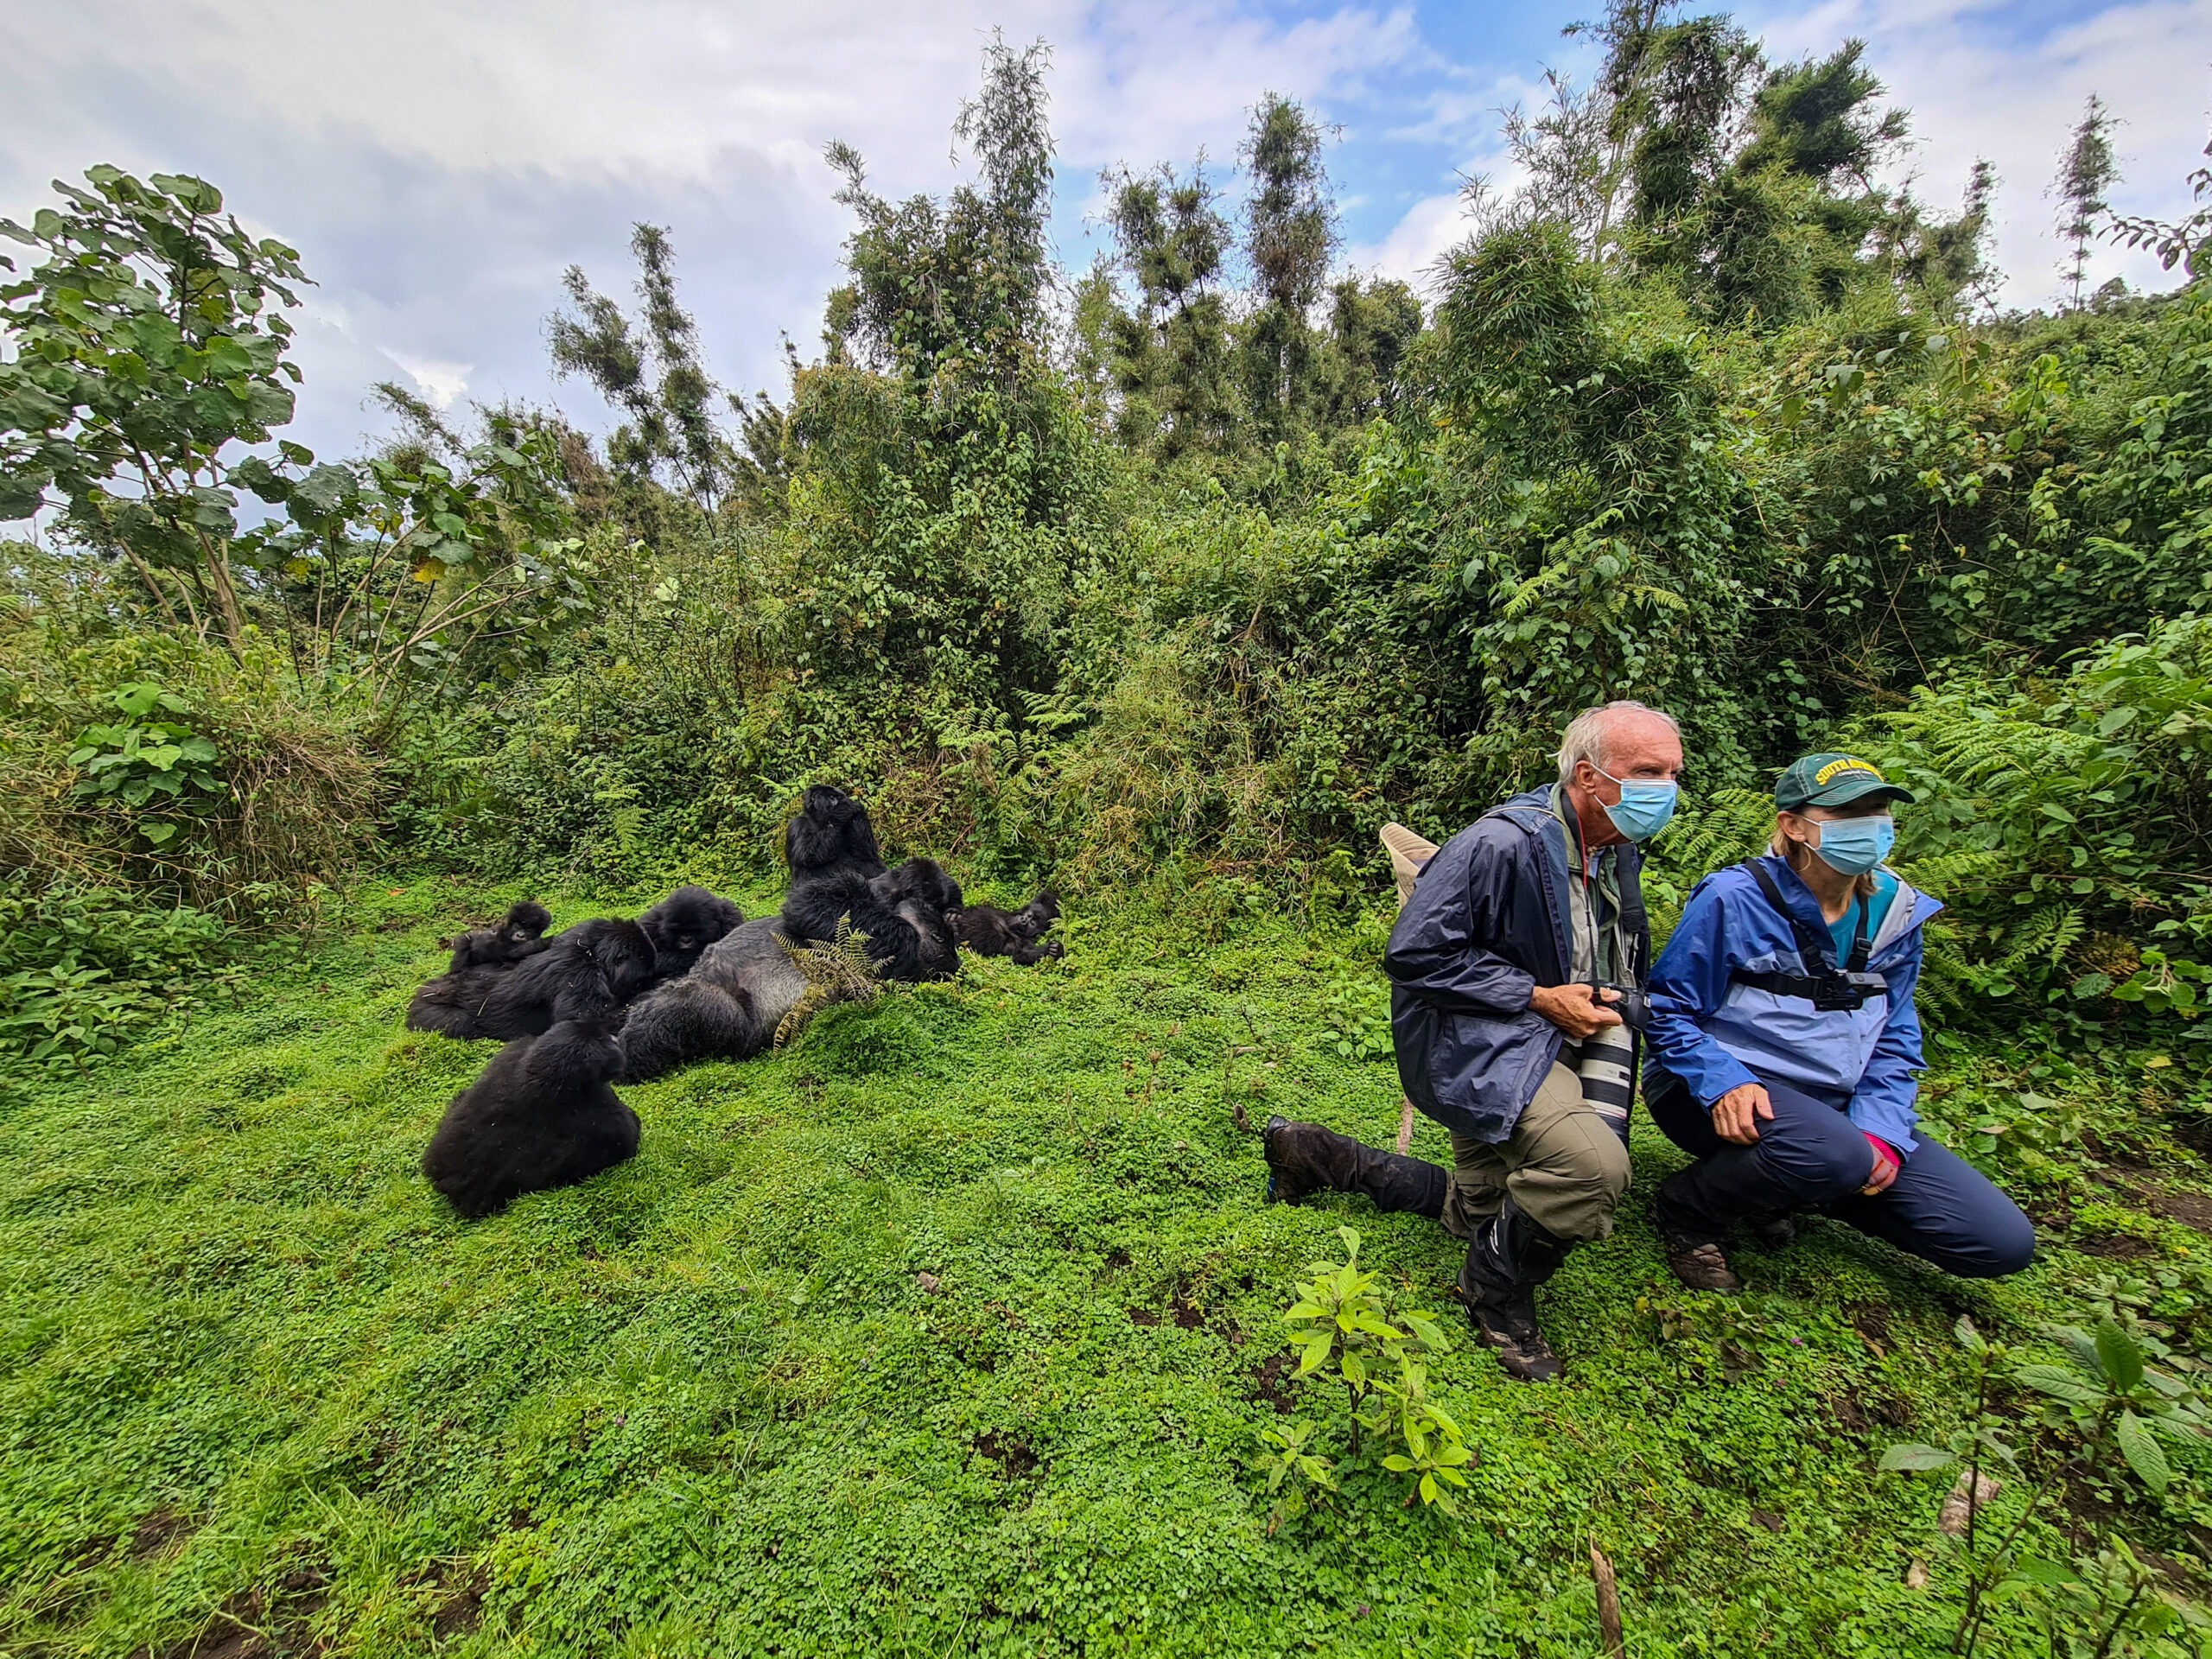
1812 1156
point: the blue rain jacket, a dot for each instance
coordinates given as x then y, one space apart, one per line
1716 1034
1486 924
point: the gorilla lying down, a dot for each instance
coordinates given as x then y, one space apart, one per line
729 1006
588 972
592 971
989 931
541 1116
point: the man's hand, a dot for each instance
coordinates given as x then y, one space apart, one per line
1736 1115
1575 1009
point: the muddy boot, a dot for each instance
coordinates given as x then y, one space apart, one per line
1304 1158
1509 1256
1693 1255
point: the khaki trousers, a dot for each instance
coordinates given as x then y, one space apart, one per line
1564 1168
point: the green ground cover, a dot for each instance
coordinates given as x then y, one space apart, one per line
950 1329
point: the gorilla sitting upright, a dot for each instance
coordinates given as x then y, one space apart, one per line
831 847
684 925
589 972
541 1116
507 943
729 1006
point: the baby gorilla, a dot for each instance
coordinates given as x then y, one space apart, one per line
541 1116
989 931
681 925
507 943
589 972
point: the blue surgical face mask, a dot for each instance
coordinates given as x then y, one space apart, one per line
1855 845
1645 805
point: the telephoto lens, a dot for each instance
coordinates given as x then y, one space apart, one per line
1608 1072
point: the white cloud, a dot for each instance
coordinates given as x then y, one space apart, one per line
1974 90
439 382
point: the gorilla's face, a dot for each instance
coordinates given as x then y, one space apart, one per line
937 952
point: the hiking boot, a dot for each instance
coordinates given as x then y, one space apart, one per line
1304 1158
1699 1263
1508 1258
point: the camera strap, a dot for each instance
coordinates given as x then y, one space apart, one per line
1815 949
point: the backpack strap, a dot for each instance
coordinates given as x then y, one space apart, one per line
1828 985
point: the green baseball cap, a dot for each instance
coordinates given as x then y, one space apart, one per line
1836 781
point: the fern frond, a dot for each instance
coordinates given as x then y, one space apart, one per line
837 970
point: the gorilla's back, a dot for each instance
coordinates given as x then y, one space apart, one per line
750 959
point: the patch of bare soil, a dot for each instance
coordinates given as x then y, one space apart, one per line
1014 1457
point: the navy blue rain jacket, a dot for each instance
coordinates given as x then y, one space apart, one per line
1486 924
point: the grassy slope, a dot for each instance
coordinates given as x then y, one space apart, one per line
707 1403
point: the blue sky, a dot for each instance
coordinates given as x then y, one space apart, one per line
440 162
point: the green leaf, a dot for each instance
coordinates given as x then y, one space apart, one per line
1397 1463
1915 1457
2118 1357
2144 1455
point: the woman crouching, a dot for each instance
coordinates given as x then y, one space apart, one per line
1784 1046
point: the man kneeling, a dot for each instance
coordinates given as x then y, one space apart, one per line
1493 967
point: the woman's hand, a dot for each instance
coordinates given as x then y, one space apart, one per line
1886 1165
1736 1115
1574 1009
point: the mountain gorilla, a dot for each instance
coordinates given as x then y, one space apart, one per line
989 931
729 1006
681 925
591 971
831 847
541 1116
508 942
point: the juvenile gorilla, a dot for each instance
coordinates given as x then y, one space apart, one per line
589 972
541 1116
507 943
989 931
681 925
729 1006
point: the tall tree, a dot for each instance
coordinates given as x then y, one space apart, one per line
1290 232
650 371
1171 347
2086 172
967 282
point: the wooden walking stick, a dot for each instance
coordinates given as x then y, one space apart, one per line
1409 853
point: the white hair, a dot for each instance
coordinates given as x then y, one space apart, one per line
1584 738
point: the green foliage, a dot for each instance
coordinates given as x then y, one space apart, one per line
149 342
1348 1330
2110 1399
83 971
133 762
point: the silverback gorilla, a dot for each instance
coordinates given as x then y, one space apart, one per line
541 1116
729 1006
506 943
588 972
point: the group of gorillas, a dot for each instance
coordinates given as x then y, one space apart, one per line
612 1002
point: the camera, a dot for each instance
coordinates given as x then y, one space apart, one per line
1845 992
1632 1005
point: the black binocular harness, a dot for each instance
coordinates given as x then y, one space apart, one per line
1829 988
